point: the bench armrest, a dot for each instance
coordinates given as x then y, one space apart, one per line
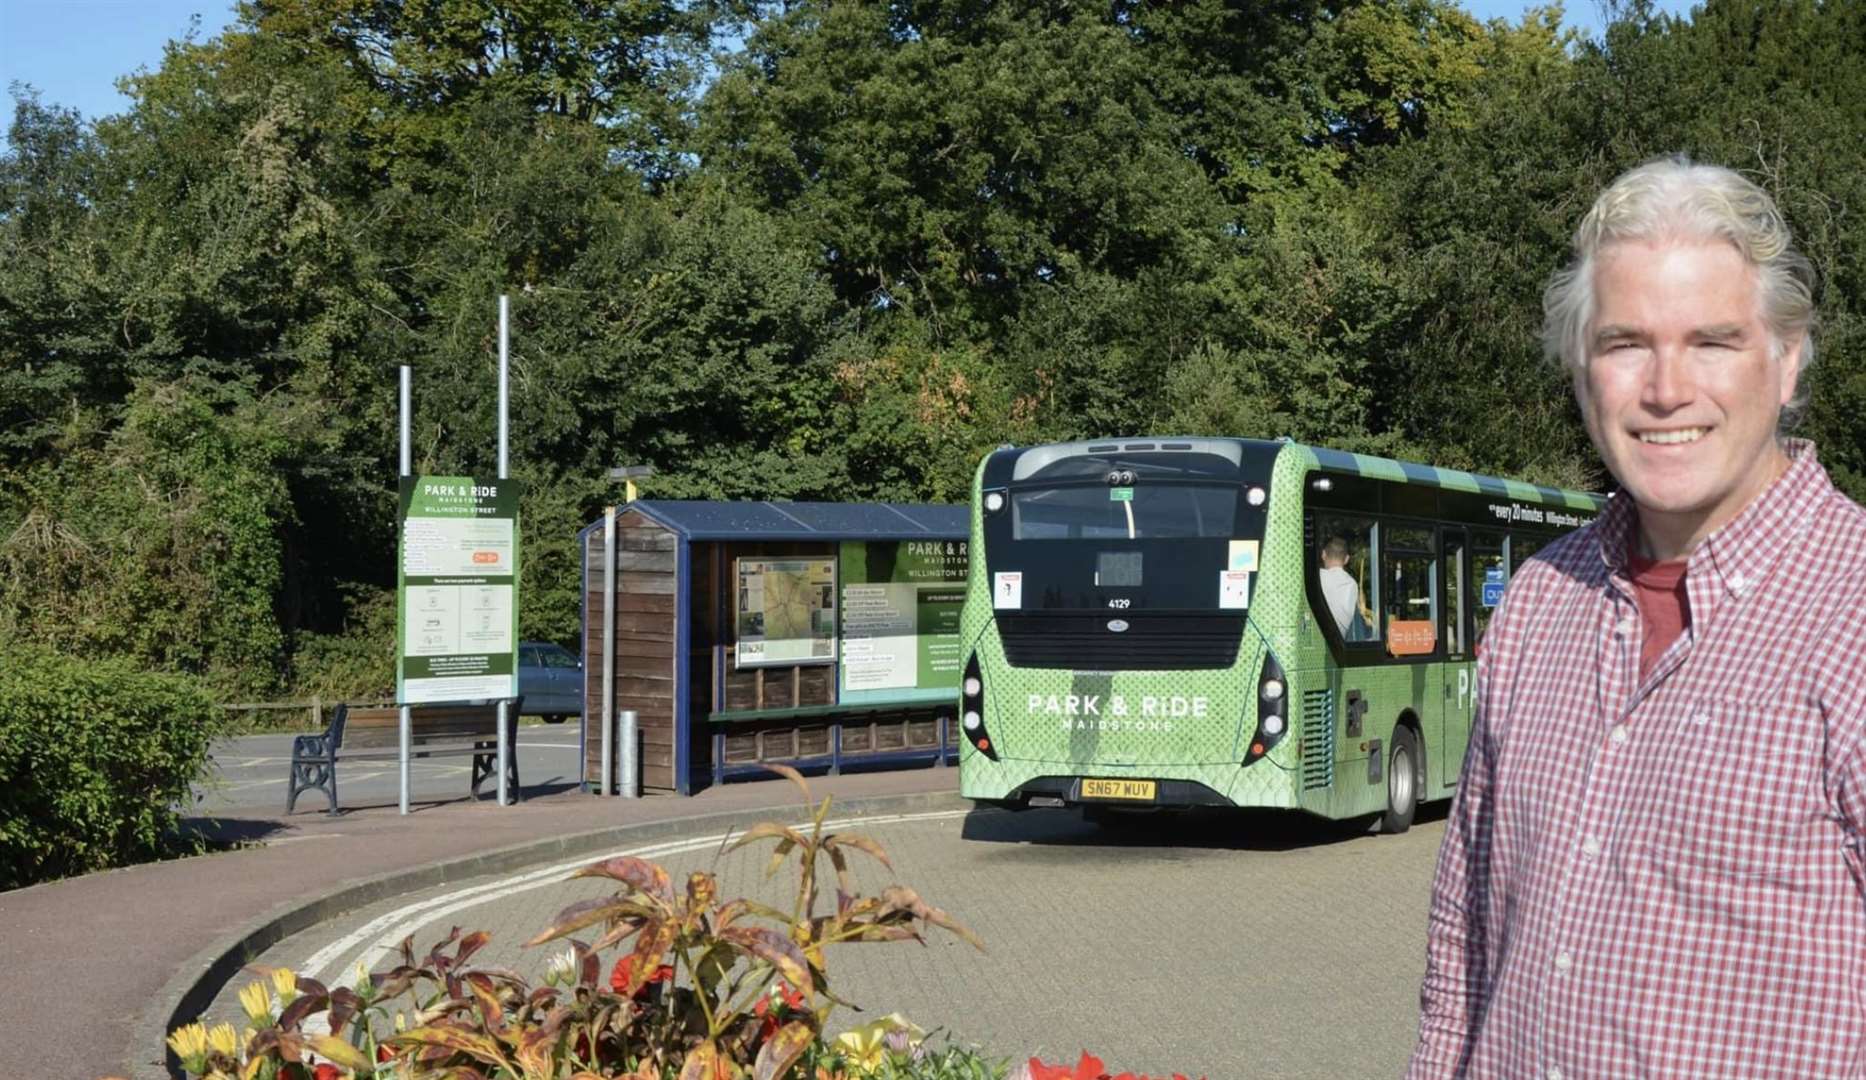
312 747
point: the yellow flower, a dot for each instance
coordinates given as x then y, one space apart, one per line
257 1001
285 984
190 1045
224 1040
866 1047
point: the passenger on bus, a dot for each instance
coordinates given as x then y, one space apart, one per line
1343 594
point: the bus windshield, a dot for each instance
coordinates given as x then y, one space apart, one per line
1097 512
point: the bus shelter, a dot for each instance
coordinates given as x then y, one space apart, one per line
811 634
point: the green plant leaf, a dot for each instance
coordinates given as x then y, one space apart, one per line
639 874
775 949
585 913
341 1053
446 1035
702 1062
782 1049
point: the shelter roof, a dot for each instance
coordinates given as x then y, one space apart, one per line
747 520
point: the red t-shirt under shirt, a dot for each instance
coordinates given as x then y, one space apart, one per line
1659 590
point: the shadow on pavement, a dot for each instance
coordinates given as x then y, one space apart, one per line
1237 830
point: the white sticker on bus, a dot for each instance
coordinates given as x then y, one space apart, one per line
1233 588
1007 589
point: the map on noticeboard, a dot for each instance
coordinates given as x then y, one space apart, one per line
785 611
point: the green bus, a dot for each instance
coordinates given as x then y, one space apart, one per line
1182 622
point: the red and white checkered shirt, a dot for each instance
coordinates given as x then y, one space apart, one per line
1664 877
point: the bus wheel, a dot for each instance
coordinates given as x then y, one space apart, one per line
1402 782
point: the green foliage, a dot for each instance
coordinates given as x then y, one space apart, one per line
161 544
96 757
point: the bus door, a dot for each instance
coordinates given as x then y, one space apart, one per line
1457 689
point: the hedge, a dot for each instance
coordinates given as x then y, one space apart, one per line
96 761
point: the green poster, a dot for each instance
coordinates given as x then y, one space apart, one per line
457 584
900 616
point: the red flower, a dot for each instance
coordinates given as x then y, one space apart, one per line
1089 1068
326 1071
383 1054
624 971
774 1013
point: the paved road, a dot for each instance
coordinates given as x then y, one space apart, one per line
1255 946
250 771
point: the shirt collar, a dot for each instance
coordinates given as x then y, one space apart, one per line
1739 553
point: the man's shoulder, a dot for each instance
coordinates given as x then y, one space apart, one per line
1835 549
1570 561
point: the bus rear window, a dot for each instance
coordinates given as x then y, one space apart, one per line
1142 512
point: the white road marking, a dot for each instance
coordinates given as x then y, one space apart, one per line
389 929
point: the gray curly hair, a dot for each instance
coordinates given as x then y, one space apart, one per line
1677 197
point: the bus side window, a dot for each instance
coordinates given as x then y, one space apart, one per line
1342 562
1409 565
1522 547
1489 575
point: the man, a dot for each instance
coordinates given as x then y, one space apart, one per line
1654 866
1342 592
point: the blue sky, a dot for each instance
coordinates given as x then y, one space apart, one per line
73 51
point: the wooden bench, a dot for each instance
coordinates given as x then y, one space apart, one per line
373 733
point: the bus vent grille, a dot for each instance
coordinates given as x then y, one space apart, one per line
1318 739
1150 642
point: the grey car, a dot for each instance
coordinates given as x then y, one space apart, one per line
551 679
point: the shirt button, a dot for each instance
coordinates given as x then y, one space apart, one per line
1618 735
1554 1073
1738 583
1624 628
1590 846
1563 961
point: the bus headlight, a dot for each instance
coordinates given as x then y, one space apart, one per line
1272 709
994 501
972 709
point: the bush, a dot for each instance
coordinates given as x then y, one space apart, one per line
95 758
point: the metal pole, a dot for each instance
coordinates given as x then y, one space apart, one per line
405 722
628 754
609 648
505 353
505 749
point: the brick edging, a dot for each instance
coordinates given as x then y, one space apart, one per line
193 988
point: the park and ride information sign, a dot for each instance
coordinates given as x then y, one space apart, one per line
900 618
457 583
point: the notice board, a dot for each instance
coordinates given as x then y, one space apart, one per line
900 619
457 589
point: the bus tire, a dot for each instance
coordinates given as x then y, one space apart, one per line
1404 774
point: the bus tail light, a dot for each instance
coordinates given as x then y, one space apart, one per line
972 709
1272 709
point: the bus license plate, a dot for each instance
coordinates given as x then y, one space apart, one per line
1140 790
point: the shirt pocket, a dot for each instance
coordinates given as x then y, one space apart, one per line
1743 795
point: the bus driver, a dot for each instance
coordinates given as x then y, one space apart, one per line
1344 598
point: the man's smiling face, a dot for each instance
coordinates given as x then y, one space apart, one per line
1680 387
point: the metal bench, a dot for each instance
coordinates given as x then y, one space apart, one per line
373 733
